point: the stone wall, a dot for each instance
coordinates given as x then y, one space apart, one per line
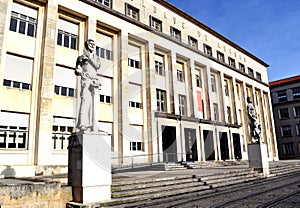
17 193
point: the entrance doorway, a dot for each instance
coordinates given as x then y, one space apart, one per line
237 146
224 146
169 144
209 150
190 145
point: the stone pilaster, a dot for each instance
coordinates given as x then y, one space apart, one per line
45 108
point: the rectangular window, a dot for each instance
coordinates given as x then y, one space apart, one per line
213 83
242 67
64 81
297 111
288 149
296 92
18 72
23 20
250 72
180 77
207 49
298 129
198 81
175 33
136 146
193 42
226 87
215 112
231 62
182 105
104 2
62 128
105 92
155 24
286 131
282 96
161 100
132 12
104 53
159 69
221 56
67 34
284 113
258 76
229 115
133 63
13 130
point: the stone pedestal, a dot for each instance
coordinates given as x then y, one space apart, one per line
258 158
89 168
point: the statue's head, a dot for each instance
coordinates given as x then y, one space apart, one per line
249 100
90 45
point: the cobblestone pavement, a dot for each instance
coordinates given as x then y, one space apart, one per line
283 191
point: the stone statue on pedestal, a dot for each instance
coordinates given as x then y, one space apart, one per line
255 127
86 67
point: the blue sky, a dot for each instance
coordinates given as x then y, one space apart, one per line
269 29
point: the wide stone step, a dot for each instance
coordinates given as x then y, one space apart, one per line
156 190
156 195
153 184
284 171
231 181
150 180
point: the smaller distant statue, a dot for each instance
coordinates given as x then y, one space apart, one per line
86 67
255 127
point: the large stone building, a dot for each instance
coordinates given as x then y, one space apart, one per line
285 95
173 89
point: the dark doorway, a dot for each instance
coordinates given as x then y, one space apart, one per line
224 146
169 144
209 150
237 146
190 145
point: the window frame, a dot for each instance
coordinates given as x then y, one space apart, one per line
283 97
282 114
231 62
182 105
221 56
161 100
174 30
103 2
158 22
131 11
26 20
207 50
286 132
193 42
296 92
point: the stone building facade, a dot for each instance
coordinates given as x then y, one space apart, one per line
172 90
285 94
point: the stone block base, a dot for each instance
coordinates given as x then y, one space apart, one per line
258 158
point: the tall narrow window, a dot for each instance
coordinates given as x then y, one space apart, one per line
182 105
180 73
213 83
193 42
198 81
161 100
297 111
231 62
23 20
132 12
106 92
258 76
220 56
134 56
156 24
226 87
288 149
250 72
242 67
215 112
207 49
159 65
229 115
175 33
67 34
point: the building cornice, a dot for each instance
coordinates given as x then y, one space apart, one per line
208 29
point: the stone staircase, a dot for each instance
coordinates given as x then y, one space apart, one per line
134 192
207 164
284 169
